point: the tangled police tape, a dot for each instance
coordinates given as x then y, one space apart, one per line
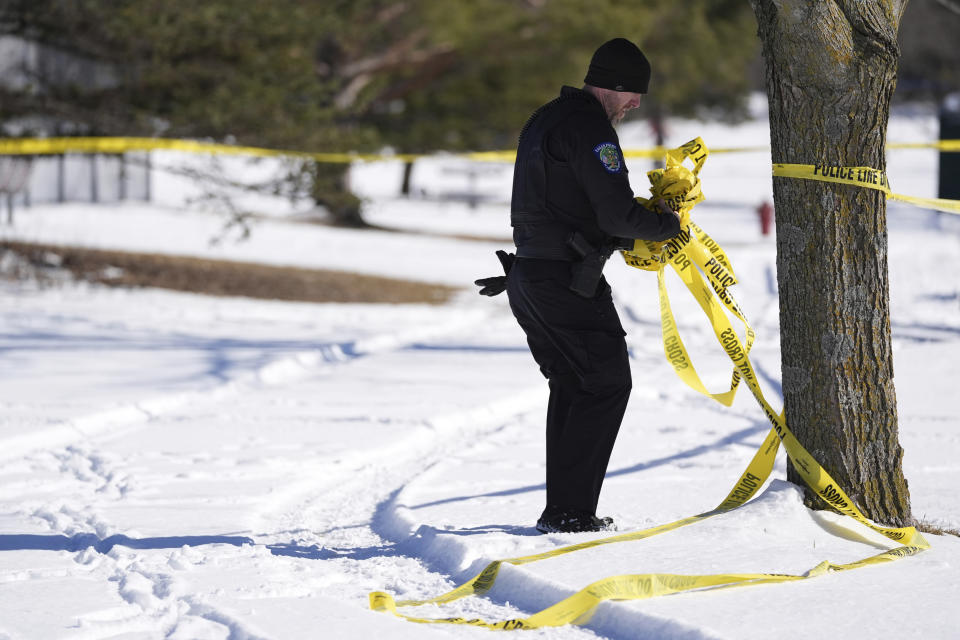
706 272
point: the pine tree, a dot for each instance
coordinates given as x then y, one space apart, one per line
358 75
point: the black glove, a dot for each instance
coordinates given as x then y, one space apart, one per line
496 284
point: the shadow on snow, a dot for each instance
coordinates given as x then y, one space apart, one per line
733 438
82 541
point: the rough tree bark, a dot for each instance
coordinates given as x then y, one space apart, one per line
830 74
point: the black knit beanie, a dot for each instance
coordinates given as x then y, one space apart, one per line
619 65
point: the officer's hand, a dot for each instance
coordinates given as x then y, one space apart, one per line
506 261
497 284
665 208
491 286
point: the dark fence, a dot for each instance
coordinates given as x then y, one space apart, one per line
26 180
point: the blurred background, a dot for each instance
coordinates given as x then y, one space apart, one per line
394 76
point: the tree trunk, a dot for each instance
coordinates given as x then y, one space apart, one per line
331 190
407 174
830 74
658 126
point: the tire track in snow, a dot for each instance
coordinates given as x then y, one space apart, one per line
158 600
355 527
281 371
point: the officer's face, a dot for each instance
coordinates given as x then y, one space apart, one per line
619 102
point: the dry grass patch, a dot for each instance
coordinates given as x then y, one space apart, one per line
227 278
937 530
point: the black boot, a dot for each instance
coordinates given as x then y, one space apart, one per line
556 519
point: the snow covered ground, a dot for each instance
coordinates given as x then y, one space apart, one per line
173 465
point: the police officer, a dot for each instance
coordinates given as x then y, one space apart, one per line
572 206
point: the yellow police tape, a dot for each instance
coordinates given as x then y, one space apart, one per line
687 254
51 146
942 145
861 177
121 144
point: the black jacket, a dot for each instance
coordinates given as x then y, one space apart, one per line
570 176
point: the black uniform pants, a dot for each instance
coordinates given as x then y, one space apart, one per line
578 343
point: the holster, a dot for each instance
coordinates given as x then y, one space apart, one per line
587 271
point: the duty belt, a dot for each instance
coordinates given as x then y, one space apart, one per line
547 253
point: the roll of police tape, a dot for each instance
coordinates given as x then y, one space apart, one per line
675 186
690 253
867 177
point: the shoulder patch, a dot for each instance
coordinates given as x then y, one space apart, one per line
609 156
